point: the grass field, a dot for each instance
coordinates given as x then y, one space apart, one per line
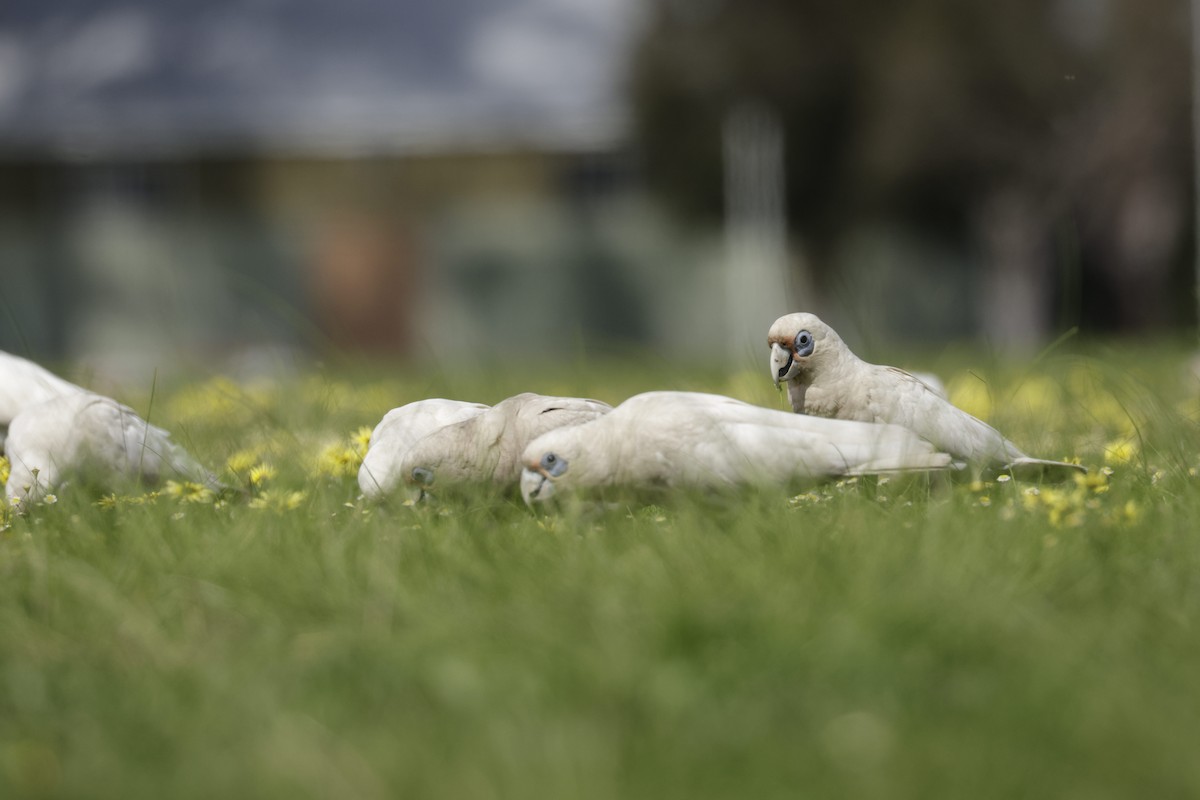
866 639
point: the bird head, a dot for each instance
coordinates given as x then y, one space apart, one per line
417 482
799 344
539 476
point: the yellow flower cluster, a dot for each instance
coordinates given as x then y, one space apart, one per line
343 458
260 474
248 468
116 501
278 500
1122 450
189 492
1068 507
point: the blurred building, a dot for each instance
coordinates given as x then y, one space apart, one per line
473 180
213 178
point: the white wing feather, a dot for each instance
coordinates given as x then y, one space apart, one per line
24 384
692 439
711 438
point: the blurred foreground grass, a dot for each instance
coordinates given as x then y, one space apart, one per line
871 638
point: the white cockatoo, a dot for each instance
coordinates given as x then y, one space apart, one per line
679 439
486 449
399 430
88 438
24 384
824 378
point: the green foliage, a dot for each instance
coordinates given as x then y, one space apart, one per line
1054 123
870 638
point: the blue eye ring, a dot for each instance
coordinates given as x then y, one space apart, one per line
553 464
804 344
422 476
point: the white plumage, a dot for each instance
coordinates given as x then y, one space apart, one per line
487 447
24 384
824 378
90 438
672 439
399 430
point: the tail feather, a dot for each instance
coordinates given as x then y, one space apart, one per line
1040 469
903 462
160 454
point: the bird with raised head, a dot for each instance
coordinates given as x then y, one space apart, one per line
825 379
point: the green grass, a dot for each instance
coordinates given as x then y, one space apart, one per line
872 639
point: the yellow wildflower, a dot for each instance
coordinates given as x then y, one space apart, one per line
261 473
1097 482
189 492
278 501
1120 451
242 461
345 457
337 460
4 469
117 500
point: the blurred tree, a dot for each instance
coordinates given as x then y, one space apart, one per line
1048 139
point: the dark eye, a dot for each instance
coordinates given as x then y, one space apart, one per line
554 465
804 344
422 476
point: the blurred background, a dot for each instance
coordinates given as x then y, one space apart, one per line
248 182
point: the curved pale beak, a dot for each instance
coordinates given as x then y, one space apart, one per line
536 487
417 484
783 366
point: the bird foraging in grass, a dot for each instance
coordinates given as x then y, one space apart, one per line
87 438
688 439
486 448
401 428
825 379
